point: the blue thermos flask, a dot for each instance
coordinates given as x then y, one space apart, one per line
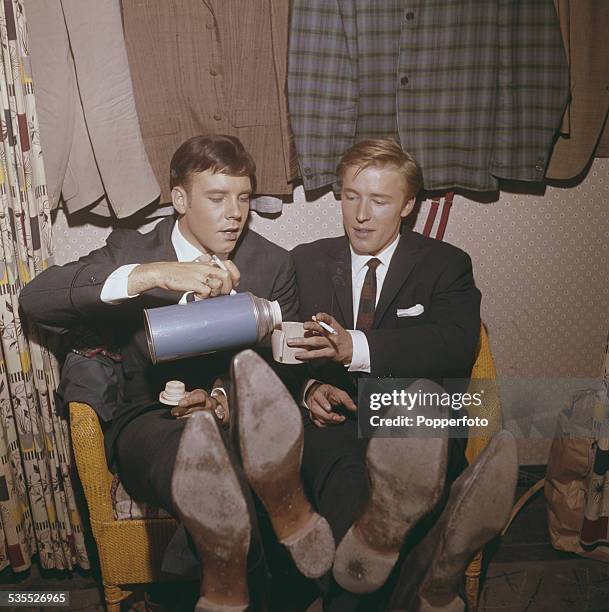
206 326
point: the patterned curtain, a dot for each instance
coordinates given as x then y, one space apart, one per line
38 514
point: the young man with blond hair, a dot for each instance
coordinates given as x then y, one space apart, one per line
400 305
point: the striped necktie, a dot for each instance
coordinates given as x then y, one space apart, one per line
367 300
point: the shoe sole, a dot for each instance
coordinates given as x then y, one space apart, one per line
271 442
406 481
480 506
208 499
204 605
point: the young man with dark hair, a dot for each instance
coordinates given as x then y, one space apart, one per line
395 305
183 465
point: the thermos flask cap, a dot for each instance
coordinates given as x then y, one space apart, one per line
174 391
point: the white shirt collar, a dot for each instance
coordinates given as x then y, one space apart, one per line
184 250
358 262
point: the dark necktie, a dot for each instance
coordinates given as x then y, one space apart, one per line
367 300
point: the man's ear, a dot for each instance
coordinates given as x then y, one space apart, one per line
408 206
179 197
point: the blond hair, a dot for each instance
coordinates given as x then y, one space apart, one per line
383 152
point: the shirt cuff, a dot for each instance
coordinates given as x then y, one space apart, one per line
115 289
305 388
360 360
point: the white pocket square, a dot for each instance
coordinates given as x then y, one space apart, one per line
413 311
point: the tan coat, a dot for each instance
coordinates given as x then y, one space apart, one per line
585 30
89 132
212 66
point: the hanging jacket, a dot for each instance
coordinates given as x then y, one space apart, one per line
585 29
474 89
89 130
212 66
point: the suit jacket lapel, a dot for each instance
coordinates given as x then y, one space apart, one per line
341 280
244 257
408 252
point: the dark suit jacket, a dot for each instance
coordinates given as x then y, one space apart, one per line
438 344
65 296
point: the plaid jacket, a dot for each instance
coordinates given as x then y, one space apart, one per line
474 89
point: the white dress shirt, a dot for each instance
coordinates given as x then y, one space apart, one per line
360 358
115 290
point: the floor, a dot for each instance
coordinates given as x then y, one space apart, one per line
524 572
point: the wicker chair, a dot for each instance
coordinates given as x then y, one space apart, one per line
484 375
148 538
130 551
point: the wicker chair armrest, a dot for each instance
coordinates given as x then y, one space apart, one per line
484 376
484 366
88 443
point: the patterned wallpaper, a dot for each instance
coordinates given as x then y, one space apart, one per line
541 262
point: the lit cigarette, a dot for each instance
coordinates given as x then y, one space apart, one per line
327 327
218 261
220 264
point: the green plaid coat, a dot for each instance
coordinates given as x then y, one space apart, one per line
474 89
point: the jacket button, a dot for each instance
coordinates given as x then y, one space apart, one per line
218 117
404 80
92 279
410 16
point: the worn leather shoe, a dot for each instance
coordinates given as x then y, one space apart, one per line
406 481
208 499
270 434
478 507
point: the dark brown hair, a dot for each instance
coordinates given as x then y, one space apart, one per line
383 152
216 152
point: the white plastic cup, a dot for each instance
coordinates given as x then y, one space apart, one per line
282 353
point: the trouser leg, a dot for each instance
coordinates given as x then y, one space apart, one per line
146 450
334 471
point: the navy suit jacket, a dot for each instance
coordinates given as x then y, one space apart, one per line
440 343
